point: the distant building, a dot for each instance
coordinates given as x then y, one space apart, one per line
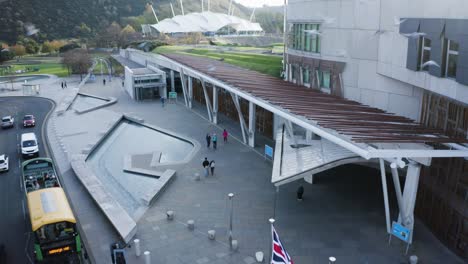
405 57
208 23
145 83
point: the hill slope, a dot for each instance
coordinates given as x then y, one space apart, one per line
59 18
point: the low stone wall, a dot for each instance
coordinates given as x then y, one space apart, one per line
122 222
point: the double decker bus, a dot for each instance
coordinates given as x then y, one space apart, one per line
56 238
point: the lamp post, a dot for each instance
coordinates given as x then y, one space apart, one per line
231 196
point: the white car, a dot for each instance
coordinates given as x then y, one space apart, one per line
4 163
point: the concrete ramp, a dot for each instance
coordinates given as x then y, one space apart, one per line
294 160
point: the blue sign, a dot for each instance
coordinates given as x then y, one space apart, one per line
400 231
268 151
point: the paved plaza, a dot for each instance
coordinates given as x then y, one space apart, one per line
342 214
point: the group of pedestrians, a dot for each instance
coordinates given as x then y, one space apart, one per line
214 138
64 85
208 166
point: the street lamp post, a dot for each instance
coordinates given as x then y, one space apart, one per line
231 196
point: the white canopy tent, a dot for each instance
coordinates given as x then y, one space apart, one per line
205 22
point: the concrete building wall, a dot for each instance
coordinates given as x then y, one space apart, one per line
375 71
128 84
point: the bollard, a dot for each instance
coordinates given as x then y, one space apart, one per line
137 247
413 259
332 260
147 257
170 215
211 234
234 245
191 224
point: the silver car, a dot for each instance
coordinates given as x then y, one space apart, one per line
8 121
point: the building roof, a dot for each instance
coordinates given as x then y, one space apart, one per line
142 71
48 206
357 122
204 22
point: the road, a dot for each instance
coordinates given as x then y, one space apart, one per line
14 222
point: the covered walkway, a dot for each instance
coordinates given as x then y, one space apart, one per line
333 130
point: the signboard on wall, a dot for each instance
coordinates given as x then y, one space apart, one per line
401 232
268 152
172 95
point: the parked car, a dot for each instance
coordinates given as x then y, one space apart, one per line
29 120
8 121
4 163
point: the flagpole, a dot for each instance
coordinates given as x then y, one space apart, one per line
272 221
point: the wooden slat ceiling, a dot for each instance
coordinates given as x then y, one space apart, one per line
362 123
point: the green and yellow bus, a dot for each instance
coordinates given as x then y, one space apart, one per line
56 237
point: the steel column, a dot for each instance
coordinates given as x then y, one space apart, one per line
235 98
190 91
215 104
172 81
184 86
207 101
385 194
409 195
396 182
252 120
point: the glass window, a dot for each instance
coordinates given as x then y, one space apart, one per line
306 75
425 53
325 80
302 40
452 58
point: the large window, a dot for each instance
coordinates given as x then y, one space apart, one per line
324 79
305 75
451 58
305 37
425 53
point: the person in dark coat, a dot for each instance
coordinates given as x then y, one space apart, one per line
208 140
206 166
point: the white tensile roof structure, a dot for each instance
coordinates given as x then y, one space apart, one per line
205 22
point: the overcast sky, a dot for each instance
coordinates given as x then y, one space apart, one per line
258 3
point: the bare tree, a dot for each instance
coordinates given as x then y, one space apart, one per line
78 61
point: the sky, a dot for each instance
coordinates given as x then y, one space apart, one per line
259 3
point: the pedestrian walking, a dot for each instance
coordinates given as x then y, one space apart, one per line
225 135
208 140
162 100
206 166
66 84
104 81
214 138
63 85
212 167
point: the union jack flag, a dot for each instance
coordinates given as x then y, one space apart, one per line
278 253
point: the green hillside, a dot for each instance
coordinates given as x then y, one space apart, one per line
56 19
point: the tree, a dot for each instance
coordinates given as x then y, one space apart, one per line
78 61
32 47
6 54
19 50
127 34
111 35
47 47
57 44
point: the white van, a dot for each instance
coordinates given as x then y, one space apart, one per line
29 145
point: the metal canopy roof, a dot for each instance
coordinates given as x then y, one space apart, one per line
366 131
362 123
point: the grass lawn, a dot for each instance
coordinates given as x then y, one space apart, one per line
267 64
44 66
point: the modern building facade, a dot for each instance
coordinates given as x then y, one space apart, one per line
405 57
